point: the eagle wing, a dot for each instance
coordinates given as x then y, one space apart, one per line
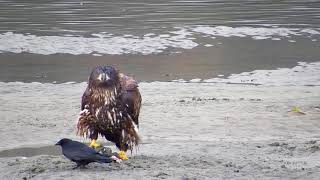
85 99
131 97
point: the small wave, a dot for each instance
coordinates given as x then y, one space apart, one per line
258 33
304 74
150 43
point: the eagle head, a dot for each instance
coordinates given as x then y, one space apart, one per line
104 76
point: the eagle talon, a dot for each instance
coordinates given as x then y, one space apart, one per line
95 145
123 155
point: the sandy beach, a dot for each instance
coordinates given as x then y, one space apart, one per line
214 129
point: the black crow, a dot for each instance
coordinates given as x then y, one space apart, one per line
82 154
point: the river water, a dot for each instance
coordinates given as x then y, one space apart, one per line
154 40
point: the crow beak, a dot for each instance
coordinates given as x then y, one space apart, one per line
58 143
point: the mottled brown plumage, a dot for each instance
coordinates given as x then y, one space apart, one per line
110 107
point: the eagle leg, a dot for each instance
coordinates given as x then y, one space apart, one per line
123 149
123 155
94 144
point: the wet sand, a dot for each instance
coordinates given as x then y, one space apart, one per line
188 130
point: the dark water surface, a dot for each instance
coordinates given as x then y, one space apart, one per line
61 41
143 16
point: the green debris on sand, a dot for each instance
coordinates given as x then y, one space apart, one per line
297 111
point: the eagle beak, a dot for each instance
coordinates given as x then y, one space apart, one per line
103 77
106 77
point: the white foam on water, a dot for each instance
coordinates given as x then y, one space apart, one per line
150 43
304 74
257 33
99 44
208 45
195 80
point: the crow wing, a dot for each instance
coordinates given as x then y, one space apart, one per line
77 151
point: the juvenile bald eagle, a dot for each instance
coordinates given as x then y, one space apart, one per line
110 107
